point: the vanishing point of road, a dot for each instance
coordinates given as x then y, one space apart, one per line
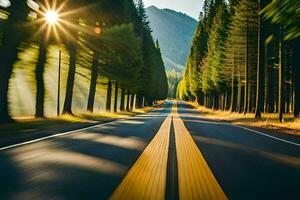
173 152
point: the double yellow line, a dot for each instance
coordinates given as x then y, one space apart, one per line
147 178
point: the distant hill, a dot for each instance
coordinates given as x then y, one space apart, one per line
175 31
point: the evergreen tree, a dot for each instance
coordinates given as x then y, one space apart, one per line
152 63
254 55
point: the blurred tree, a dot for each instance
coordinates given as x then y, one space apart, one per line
116 97
261 64
39 73
43 42
285 13
13 34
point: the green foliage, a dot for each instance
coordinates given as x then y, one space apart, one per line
241 47
141 11
181 91
240 60
123 51
154 84
213 74
205 63
285 13
121 54
224 36
173 79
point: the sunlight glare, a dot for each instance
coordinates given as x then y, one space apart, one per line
52 17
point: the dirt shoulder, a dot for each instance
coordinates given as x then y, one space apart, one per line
269 122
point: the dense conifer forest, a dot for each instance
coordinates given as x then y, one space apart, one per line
245 58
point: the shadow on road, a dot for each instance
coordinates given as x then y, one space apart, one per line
83 165
247 165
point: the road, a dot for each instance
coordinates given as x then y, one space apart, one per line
173 152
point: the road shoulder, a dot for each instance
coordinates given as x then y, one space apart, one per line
261 125
23 130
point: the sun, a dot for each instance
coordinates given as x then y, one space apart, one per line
52 17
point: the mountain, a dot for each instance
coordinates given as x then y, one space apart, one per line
174 31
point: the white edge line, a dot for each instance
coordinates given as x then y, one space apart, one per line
266 135
258 132
70 132
56 135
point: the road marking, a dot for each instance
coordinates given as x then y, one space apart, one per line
266 135
258 132
147 178
248 129
55 135
196 180
70 132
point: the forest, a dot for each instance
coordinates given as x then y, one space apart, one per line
245 58
102 47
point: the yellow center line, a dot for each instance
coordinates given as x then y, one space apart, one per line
195 179
147 178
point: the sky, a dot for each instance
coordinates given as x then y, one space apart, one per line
189 7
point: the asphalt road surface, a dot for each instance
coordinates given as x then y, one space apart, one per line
99 162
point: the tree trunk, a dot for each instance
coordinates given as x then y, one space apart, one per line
93 84
143 101
151 102
246 91
146 101
232 104
225 100
271 90
296 63
132 102
287 84
208 101
293 89
116 97
239 97
281 81
122 103
108 97
252 99
139 101
276 90
11 39
260 70
67 109
128 101
267 80
40 85
216 101
7 60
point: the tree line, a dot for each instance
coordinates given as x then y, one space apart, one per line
110 38
244 57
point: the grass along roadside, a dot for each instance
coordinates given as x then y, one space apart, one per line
268 121
27 125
